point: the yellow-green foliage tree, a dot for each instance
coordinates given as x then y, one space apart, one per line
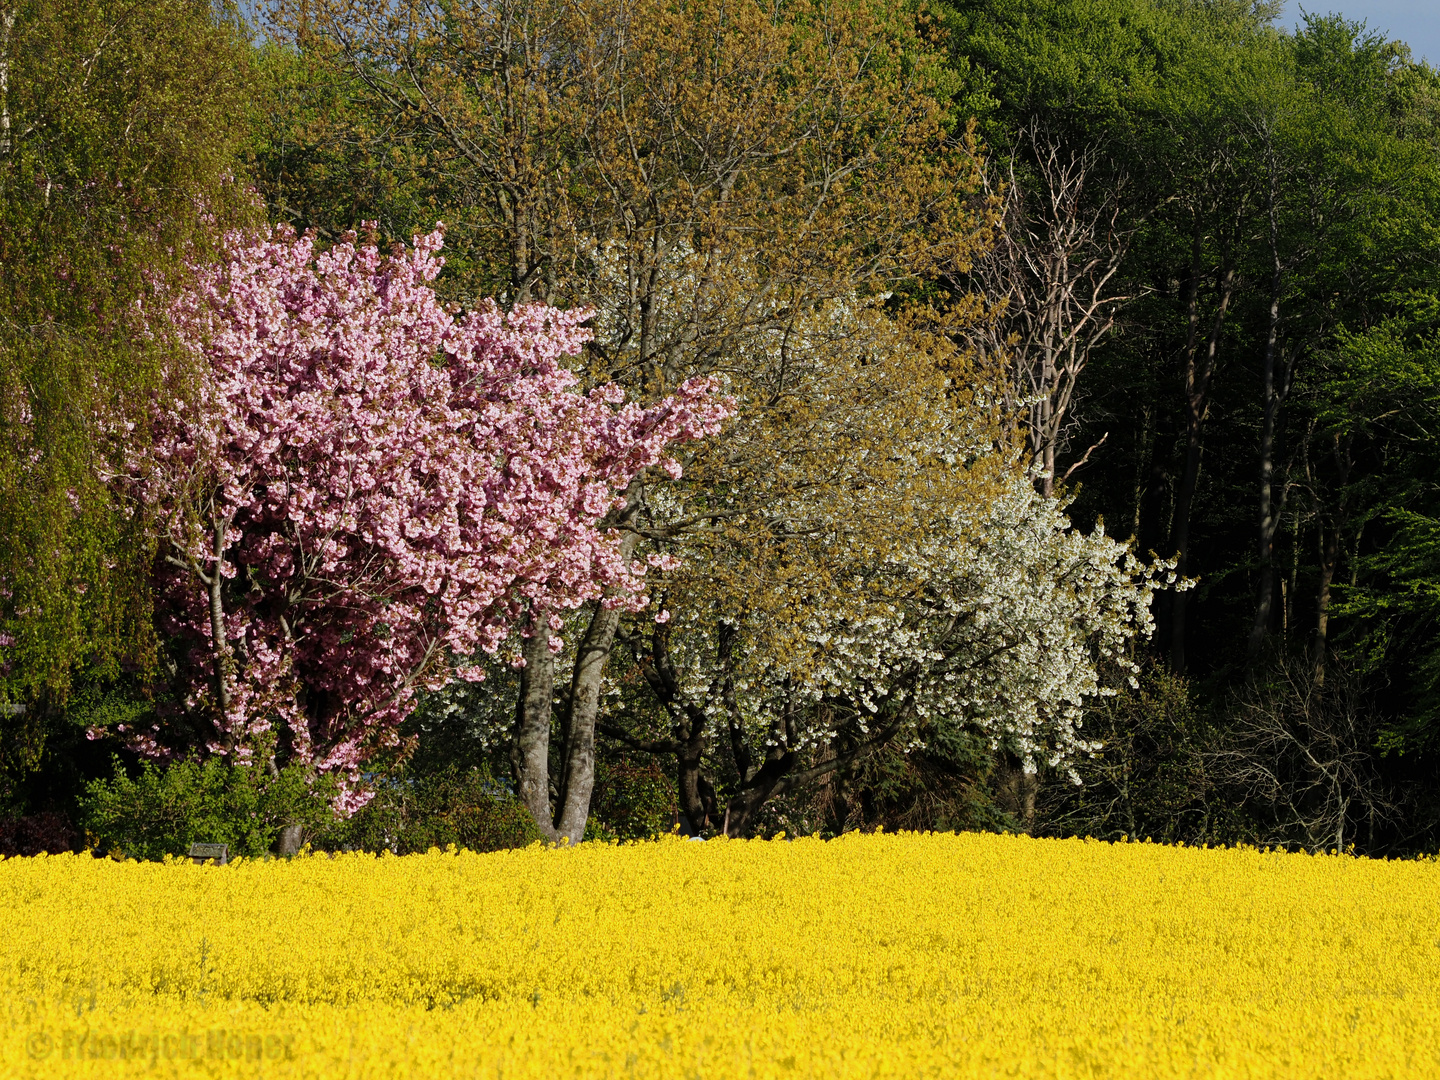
865 560
120 126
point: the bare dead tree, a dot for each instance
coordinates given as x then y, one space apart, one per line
1052 283
1051 280
1300 755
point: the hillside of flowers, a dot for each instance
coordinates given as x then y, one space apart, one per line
916 955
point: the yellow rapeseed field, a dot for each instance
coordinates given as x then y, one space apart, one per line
910 955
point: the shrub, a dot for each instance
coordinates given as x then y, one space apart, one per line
631 802
48 831
467 808
165 809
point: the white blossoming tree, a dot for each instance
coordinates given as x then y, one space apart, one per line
864 559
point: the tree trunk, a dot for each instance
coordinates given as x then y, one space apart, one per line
773 776
291 839
218 642
1329 560
1183 501
1047 431
1274 397
1198 374
696 794
1329 556
7 26
1144 452
530 754
757 787
577 780
1029 789
221 653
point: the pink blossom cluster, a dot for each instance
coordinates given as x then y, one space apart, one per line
382 484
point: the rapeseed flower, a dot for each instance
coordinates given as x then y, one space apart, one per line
907 955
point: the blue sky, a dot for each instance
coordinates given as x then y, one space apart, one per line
1414 21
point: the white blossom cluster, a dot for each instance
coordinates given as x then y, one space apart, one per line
1005 617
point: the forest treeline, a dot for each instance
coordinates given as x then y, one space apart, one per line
1082 361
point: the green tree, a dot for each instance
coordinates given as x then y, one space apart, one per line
121 126
1276 198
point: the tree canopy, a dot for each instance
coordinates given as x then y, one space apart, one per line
1076 361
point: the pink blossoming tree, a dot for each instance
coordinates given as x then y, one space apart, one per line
366 486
